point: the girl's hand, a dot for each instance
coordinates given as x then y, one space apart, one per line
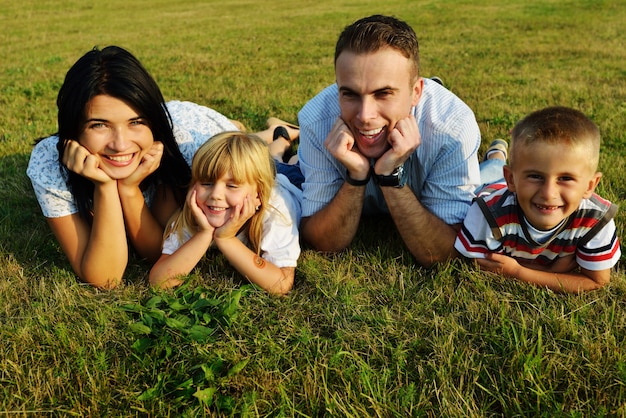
149 163
197 211
82 162
241 214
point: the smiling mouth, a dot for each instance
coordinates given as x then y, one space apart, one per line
546 208
120 158
217 209
372 135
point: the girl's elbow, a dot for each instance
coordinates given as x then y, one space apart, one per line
284 285
158 281
282 290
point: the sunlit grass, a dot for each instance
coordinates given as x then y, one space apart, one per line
364 332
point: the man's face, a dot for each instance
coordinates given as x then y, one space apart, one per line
376 90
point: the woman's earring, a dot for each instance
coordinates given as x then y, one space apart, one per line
257 208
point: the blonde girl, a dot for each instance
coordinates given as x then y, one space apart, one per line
237 203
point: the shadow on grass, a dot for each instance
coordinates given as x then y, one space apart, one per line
25 237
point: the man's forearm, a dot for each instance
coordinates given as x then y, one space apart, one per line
334 226
427 237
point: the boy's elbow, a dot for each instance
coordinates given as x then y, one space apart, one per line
603 281
599 279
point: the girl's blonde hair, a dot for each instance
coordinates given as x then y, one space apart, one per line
248 159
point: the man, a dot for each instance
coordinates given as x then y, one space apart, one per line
384 140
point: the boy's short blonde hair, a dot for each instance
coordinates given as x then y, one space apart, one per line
557 124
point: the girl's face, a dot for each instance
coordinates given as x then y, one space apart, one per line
219 199
116 134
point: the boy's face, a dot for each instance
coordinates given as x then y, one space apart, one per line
376 90
550 181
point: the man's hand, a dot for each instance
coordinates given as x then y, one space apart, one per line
340 143
404 140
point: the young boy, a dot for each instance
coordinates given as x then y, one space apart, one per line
546 226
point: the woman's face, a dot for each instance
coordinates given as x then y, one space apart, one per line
116 134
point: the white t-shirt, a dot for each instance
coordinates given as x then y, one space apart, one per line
193 125
280 242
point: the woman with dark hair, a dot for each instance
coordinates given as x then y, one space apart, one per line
118 167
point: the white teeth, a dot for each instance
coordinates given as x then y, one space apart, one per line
120 158
215 208
372 132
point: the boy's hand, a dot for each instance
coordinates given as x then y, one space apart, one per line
238 218
564 264
404 140
82 162
340 143
560 265
500 263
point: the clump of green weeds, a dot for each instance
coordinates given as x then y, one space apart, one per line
175 331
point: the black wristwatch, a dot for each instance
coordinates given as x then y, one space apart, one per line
396 179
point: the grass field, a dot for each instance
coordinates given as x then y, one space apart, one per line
365 332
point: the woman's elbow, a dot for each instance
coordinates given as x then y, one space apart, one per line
106 282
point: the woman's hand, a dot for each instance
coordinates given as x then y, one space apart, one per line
82 162
241 214
149 164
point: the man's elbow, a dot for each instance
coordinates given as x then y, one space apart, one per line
431 259
324 245
320 240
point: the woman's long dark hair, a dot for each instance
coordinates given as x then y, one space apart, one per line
115 72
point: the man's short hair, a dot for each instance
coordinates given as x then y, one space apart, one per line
376 32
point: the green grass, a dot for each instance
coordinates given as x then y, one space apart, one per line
365 332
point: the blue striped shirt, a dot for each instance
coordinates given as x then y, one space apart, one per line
443 171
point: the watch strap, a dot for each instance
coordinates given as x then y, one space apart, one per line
396 179
354 182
